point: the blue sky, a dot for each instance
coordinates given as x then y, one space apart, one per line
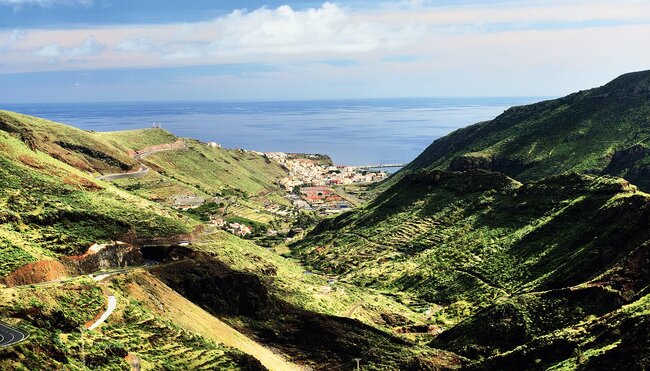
115 50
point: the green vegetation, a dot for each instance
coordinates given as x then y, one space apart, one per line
138 139
533 275
504 262
244 180
520 243
52 210
598 131
49 208
53 317
289 281
218 171
257 291
84 150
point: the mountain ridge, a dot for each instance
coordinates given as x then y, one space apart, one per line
605 130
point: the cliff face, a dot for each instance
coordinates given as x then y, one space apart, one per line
98 257
106 256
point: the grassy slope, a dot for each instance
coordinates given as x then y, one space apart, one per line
137 139
602 130
215 170
198 168
489 249
49 208
202 170
53 315
79 148
281 308
289 282
188 315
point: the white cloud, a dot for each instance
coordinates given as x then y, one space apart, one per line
447 48
329 29
12 39
89 46
134 45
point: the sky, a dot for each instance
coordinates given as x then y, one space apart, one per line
126 50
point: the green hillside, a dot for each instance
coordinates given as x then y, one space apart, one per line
491 255
82 149
521 242
50 210
137 139
605 130
215 170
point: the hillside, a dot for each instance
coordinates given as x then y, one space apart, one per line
245 180
516 242
605 130
84 150
489 255
50 209
59 224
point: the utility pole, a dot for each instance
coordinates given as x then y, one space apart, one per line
358 365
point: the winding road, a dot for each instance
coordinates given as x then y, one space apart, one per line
10 336
143 170
112 304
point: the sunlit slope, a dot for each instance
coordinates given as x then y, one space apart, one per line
214 170
513 262
84 150
476 236
53 316
138 139
605 130
49 208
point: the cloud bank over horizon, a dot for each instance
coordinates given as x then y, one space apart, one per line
334 49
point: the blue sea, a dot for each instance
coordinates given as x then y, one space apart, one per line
352 132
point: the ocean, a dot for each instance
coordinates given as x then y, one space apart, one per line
352 132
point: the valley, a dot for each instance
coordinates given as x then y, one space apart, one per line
518 242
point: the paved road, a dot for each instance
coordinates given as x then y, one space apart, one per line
112 304
143 168
136 174
10 335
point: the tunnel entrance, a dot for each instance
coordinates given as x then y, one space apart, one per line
160 254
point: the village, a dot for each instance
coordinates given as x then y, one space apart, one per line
313 181
313 184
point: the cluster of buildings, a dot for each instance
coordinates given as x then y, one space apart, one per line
312 176
238 229
314 171
324 199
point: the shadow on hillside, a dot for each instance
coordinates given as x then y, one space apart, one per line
322 341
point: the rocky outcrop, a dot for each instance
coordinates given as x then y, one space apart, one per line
106 256
628 163
132 238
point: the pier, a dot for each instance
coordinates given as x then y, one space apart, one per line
379 166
